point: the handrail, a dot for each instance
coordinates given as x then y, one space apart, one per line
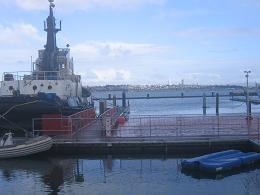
160 126
38 75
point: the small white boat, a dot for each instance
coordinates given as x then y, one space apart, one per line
10 149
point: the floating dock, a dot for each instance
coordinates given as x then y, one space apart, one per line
148 146
114 132
163 134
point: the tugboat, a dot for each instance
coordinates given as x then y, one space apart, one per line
51 88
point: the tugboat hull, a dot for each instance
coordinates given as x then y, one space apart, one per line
17 113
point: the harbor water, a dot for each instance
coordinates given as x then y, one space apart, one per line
179 106
130 175
148 175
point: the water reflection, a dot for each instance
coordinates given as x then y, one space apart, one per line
110 176
79 175
54 179
50 172
251 181
8 175
221 175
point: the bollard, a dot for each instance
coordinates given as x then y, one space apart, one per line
114 100
217 104
123 99
204 106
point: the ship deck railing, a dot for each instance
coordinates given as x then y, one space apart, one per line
166 127
39 75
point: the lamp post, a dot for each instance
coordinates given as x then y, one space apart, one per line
247 93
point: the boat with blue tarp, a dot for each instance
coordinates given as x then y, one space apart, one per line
221 161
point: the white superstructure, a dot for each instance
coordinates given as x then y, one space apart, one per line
31 84
52 72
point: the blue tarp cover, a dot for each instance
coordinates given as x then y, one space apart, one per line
221 161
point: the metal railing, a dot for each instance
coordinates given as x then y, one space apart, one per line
38 75
74 123
161 127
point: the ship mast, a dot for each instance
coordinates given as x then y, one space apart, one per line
50 53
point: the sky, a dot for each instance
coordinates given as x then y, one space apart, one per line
140 41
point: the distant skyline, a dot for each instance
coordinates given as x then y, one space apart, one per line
140 41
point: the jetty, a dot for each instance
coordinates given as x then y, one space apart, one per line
251 101
152 134
182 95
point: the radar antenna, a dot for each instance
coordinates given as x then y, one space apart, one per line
52 3
50 59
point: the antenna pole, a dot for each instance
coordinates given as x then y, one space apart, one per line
31 63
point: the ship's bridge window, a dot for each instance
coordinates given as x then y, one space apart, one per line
9 77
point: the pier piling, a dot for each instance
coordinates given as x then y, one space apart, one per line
114 100
250 109
204 106
124 99
102 106
217 104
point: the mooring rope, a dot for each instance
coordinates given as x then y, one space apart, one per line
13 107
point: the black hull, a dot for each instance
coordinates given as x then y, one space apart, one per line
17 113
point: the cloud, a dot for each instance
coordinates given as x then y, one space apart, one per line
115 49
201 77
19 33
96 76
112 75
13 60
71 5
114 62
18 42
